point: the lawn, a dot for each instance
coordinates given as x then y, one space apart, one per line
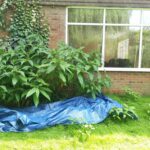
132 135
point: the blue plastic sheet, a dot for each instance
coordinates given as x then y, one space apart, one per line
79 110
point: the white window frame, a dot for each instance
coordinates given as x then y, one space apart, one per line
103 25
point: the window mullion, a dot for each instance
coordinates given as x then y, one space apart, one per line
103 41
66 39
141 43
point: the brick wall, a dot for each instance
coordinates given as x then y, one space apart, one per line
55 16
138 81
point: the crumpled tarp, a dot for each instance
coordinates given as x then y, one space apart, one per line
78 110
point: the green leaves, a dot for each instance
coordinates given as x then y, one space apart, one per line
50 68
35 93
45 94
3 88
37 74
62 77
31 92
81 80
123 113
130 94
26 20
35 99
14 81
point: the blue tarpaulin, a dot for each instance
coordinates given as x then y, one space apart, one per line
79 110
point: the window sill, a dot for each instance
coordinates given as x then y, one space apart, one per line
125 69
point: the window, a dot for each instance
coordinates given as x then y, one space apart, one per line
122 46
80 36
122 36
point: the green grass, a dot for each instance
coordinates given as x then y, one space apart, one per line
131 135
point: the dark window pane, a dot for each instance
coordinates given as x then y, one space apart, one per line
89 37
123 16
146 48
85 15
122 46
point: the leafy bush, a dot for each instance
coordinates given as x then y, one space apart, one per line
81 131
130 94
77 71
84 132
34 73
27 19
19 73
123 113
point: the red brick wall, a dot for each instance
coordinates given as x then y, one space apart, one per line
55 16
138 81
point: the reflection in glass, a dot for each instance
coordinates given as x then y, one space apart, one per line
85 15
146 48
89 37
122 46
146 17
124 16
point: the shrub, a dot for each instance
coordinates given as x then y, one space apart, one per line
19 77
81 131
123 113
77 71
84 132
34 73
130 94
27 19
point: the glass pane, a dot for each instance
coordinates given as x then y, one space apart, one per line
146 20
146 48
122 46
85 15
89 37
123 16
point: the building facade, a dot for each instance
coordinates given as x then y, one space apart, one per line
119 30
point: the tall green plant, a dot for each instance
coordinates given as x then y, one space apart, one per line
77 71
20 81
32 73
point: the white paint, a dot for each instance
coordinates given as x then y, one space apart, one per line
103 40
141 42
66 36
124 69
